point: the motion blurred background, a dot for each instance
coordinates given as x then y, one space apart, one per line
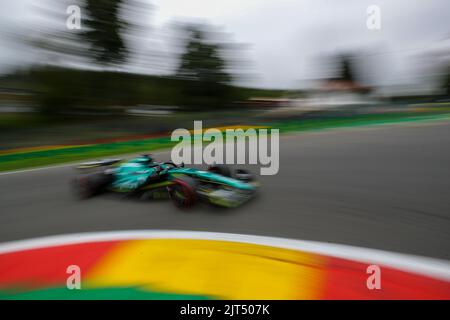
91 79
144 67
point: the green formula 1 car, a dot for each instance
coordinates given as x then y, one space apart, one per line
144 177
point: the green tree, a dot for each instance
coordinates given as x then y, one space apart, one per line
104 32
99 42
203 70
446 83
347 70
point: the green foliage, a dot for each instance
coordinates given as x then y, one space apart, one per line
266 93
202 62
446 82
347 71
346 68
61 89
104 31
204 70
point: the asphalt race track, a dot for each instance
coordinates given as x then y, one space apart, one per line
385 187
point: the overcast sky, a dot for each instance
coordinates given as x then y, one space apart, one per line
288 39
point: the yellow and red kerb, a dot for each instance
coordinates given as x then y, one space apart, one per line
175 268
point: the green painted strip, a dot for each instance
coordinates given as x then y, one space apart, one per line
131 293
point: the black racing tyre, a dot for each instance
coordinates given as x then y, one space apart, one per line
183 192
221 169
89 185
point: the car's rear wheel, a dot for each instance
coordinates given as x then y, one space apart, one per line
183 193
88 185
81 187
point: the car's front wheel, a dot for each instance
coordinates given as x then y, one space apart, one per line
182 192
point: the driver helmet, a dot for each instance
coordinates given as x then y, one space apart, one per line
145 159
